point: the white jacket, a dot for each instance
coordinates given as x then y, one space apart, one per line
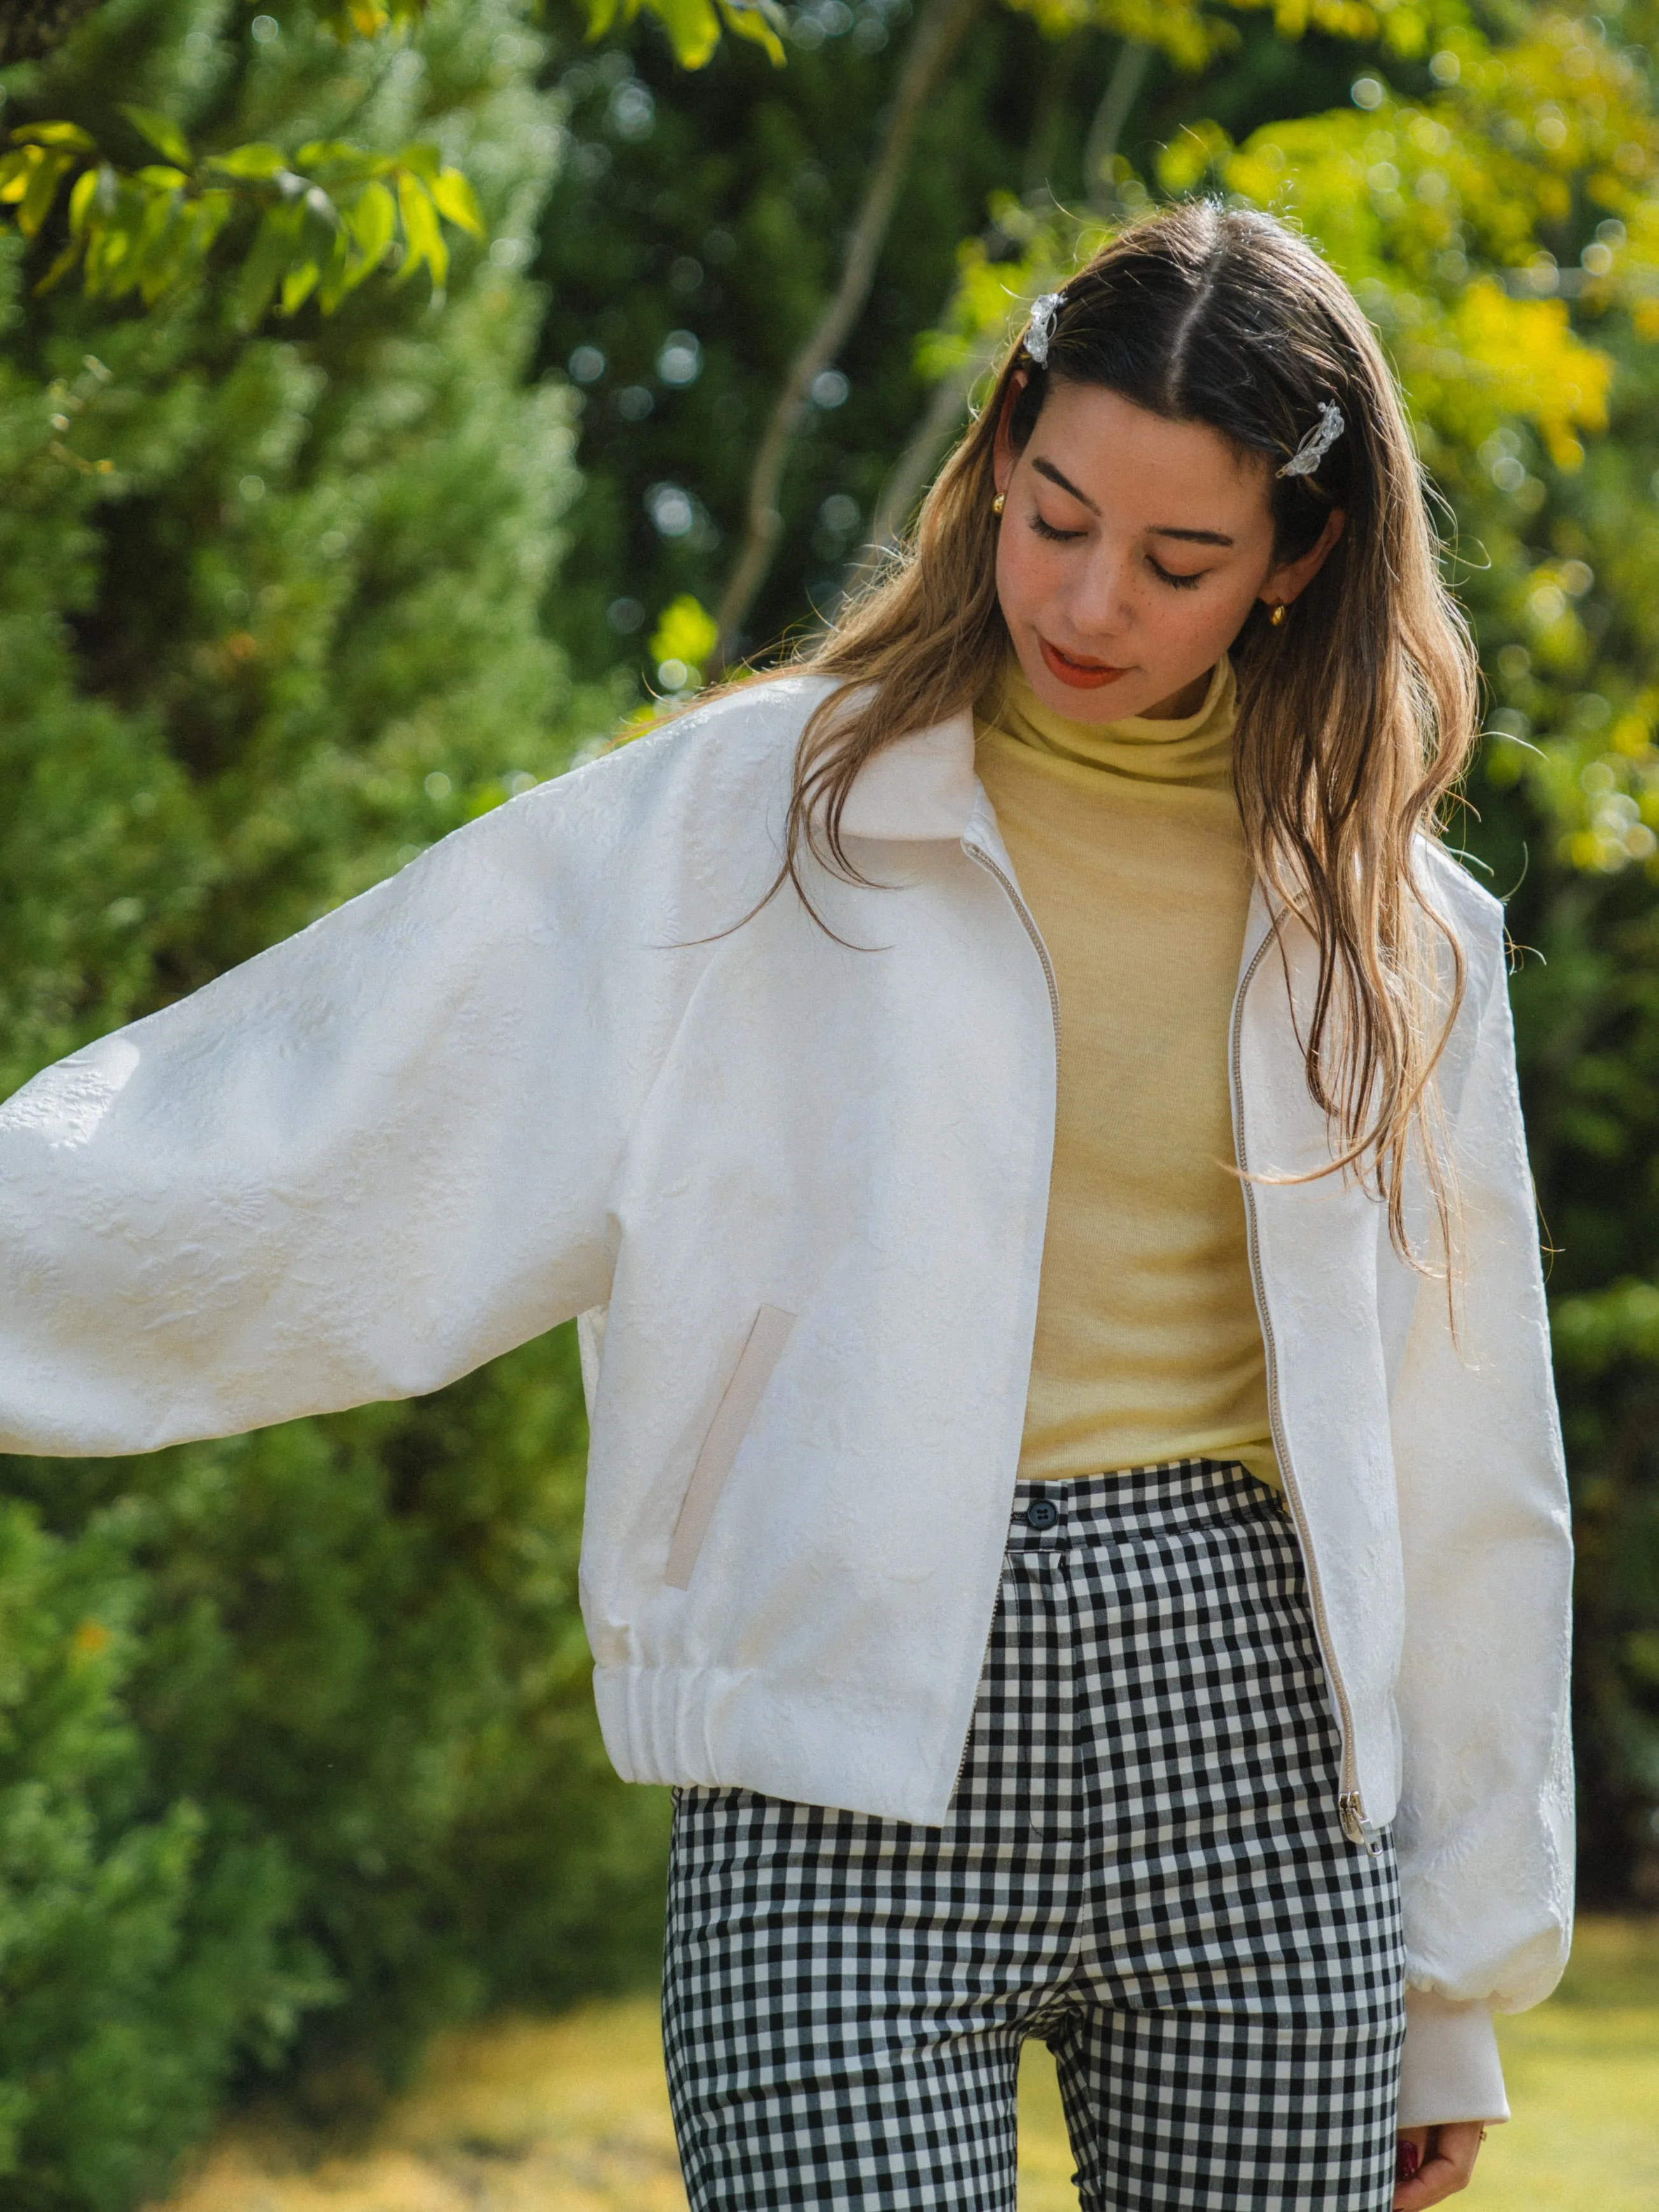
796 1188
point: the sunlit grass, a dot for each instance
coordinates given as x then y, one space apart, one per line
569 2115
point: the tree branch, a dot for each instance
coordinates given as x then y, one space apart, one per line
1122 90
915 465
948 402
938 31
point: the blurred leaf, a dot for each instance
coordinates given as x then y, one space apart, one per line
46 175
762 22
1620 1322
374 224
424 240
254 162
53 134
423 160
456 199
687 633
162 132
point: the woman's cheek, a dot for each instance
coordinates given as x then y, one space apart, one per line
1020 581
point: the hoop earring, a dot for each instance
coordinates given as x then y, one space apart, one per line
1277 616
998 502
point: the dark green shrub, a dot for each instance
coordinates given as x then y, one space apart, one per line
297 1757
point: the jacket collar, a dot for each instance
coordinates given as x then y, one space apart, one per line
922 786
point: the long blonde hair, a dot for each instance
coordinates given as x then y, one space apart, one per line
1355 719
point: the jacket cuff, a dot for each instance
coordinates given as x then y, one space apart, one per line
1450 2070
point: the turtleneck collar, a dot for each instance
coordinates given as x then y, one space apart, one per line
1194 749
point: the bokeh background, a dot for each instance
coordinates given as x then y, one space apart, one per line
393 400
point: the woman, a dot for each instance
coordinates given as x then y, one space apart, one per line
1238 1750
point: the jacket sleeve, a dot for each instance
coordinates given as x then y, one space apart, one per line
352 1169
1484 1831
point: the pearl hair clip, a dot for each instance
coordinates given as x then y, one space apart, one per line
1317 443
1043 313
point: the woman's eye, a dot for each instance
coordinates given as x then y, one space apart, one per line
1178 583
1056 537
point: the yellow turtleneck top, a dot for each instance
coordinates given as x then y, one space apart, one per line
1128 847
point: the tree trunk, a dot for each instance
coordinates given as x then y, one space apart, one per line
939 30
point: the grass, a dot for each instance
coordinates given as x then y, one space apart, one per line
569 2115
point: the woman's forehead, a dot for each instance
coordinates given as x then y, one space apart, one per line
1144 469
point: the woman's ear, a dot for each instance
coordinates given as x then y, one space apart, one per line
1003 455
1291 580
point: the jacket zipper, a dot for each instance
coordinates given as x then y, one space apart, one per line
984 860
1350 1806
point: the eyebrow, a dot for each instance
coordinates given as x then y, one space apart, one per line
1158 530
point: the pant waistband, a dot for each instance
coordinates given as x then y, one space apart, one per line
1049 1515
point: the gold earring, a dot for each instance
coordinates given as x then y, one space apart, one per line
998 502
1277 616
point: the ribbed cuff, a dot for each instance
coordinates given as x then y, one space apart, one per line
1450 2068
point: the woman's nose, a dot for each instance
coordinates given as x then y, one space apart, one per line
1100 599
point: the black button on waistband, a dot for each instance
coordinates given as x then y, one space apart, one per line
1041 1513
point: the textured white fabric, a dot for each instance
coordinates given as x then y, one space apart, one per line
540 1072
1450 2069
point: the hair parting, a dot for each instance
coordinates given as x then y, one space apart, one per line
1355 720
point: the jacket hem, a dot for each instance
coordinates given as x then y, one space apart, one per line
730 1728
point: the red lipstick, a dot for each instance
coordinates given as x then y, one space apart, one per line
1081 675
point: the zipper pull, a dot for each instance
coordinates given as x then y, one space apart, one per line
1355 1827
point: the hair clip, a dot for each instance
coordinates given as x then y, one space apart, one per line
1042 326
1317 443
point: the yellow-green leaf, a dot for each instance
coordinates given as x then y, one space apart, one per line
81 199
374 220
255 164
760 21
36 204
55 134
422 233
61 267
161 131
687 633
693 28
298 285
454 199
601 15
16 169
159 179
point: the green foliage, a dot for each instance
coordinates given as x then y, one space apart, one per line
318 218
95 1888
683 642
693 27
297 1755
315 220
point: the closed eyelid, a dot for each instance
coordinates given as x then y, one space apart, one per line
1045 528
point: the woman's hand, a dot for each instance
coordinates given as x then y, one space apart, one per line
1445 2159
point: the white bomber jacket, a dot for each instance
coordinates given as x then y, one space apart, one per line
797 1190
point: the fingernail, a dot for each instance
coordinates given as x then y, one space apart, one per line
1406 2159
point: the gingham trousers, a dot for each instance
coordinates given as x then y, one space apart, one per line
1142 1864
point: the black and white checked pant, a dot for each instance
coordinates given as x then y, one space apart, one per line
1142 1864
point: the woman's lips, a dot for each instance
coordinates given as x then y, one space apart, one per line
1081 675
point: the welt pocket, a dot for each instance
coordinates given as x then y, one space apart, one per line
768 1335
